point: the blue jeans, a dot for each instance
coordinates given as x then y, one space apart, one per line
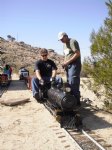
73 78
35 83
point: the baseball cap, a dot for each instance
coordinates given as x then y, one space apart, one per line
61 35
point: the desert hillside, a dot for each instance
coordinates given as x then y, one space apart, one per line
19 54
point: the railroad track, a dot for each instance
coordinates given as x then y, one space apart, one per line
85 141
83 138
3 89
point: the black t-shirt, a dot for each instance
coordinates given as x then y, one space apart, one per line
45 67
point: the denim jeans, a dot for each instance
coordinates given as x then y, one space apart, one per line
73 78
35 83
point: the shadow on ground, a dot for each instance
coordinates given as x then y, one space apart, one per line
16 85
90 119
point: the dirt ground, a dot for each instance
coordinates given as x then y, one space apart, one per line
31 127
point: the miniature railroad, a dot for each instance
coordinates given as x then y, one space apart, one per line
3 89
83 138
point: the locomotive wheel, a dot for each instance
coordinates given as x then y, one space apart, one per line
58 112
58 118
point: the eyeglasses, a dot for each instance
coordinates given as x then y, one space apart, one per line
44 55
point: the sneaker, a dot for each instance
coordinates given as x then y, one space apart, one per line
36 96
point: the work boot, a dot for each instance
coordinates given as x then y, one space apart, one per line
36 96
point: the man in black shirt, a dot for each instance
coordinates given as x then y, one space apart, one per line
45 70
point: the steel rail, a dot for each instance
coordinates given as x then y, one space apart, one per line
3 90
95 142
74 141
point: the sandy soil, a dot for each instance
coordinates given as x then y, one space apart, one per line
31 127
98 121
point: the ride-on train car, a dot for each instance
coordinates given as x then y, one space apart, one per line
23 73
4 80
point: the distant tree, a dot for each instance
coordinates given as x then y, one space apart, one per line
99 65
2 39
10 38
13 39
21 42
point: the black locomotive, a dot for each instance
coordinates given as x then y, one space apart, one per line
62 98
61 103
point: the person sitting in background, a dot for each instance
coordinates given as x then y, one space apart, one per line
7 70
45 70
10 72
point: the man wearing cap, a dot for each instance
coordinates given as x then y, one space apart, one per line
72 63
45 70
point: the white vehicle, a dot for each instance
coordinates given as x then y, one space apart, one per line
23 73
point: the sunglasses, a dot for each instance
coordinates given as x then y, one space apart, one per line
44 55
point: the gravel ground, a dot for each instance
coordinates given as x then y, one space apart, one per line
29 126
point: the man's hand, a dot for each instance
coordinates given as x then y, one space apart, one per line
41 82
52 79
64 65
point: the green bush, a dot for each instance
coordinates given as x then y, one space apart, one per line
99 65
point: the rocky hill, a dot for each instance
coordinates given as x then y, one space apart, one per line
19 54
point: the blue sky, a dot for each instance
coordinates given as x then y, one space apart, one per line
37 22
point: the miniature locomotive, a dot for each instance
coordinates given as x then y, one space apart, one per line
62 98
62 104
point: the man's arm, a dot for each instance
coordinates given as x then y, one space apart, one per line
37 70
38 74
54 73
54 69
73 58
